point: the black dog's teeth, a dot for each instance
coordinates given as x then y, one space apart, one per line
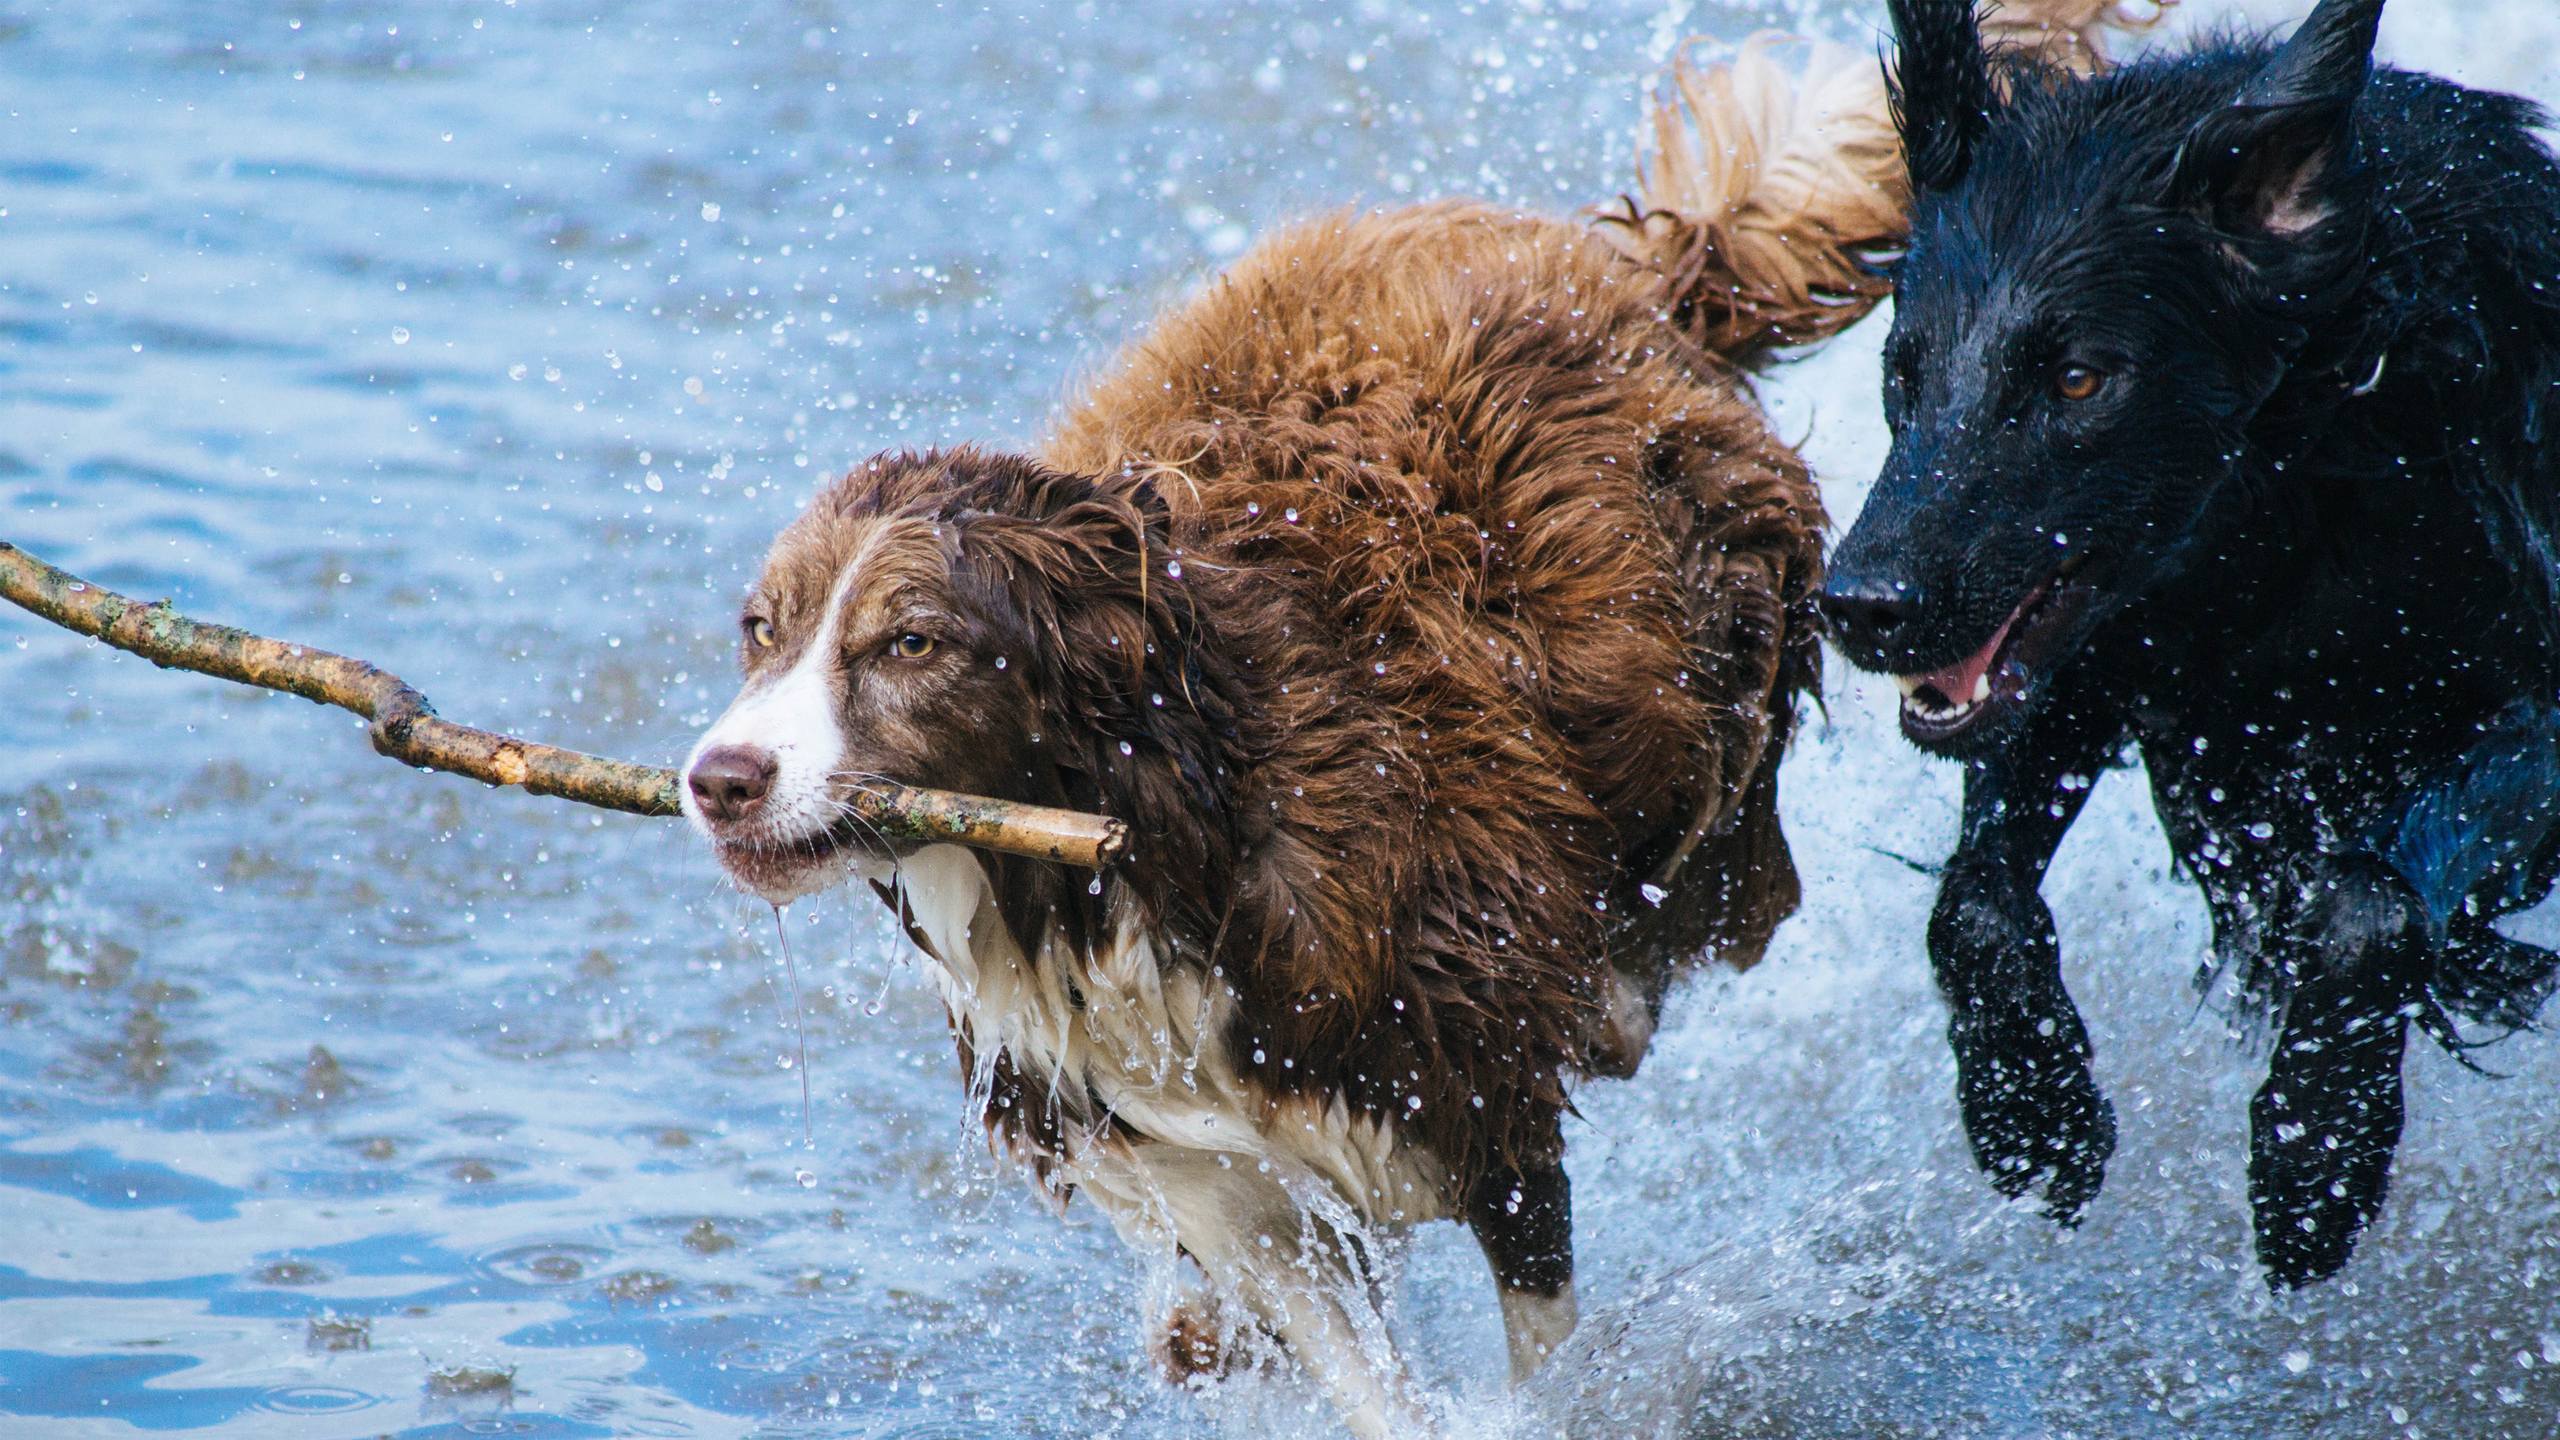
1933 705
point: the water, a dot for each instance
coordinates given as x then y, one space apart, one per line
490 342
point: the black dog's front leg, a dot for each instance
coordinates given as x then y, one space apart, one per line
2031 1110
2323 1128
2368 933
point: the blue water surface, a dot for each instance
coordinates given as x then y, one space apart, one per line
490 342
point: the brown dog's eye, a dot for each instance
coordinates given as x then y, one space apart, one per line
761 633
2078 382
911 646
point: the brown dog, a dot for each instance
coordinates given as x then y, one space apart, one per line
1430 599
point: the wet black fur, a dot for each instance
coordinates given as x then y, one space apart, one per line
2300 546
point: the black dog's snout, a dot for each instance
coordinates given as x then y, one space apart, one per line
731 781
1872 616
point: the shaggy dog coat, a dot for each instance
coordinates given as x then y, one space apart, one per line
1430 599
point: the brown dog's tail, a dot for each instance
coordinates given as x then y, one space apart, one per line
2066 34
1770 184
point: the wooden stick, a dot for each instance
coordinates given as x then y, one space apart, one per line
406 728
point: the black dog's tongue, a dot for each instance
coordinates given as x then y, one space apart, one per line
1967 682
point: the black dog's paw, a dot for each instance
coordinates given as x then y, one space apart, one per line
2321 1135
2034 1115
2031 1110
2309 1201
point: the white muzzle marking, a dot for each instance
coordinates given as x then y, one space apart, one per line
794 717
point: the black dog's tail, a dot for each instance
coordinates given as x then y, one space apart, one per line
1771 183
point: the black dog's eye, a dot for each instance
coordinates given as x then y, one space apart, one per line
2078 382
911 646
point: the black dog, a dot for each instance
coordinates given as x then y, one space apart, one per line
2225 391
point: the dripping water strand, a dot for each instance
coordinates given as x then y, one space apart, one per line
880 1000
799 1029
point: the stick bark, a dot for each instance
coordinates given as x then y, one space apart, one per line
406 728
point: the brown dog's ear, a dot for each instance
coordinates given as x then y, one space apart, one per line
2271 163
1136 711
1065 551
1940 87
1091 578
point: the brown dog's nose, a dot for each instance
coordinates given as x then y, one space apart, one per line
731 781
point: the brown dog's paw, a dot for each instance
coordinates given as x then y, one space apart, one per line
1191 1345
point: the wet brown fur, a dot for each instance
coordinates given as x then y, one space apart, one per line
1439 592
1426 593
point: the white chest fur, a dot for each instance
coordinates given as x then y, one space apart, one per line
1184 1155
1118 1036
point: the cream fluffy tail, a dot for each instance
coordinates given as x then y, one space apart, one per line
1770 183
2070 34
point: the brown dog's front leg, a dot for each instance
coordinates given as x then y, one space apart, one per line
1524 1220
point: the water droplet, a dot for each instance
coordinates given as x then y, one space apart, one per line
1173 568
710 210
1653 894
1096 887
808 1180
1124 748
399 334
1290 515
1001 662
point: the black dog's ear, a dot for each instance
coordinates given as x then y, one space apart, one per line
2267 164
1940 86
